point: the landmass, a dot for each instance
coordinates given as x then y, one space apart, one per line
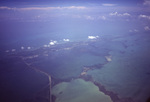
30 57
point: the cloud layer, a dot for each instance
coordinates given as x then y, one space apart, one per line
43 8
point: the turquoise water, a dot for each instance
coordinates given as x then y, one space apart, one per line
79 91
127 73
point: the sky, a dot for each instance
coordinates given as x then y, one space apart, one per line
126 2
12 9
90 10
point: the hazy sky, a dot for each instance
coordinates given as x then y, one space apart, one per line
120 2
133 13
21 7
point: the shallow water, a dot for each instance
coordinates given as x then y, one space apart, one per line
78 91
126 74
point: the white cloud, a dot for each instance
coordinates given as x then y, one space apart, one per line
93 37
126 14
66 40
52 42
144 16
5 7
22 48
108 4
28 48
74 7
45 45
147 28
43 8
113 14
119 14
